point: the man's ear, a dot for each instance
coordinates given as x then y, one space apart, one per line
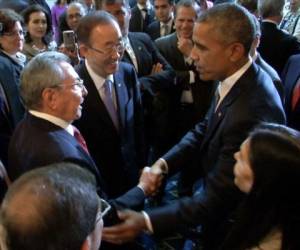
83 50
237 52
49 97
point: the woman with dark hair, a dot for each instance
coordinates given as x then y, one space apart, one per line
38 37
267 169
11 64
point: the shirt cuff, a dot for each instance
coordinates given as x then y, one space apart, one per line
165 167
148 223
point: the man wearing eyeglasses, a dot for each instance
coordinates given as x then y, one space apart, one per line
53 207
112 121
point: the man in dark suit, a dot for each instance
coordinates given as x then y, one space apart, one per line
164 23
46 135
141 16
155 74
112 123
291 79
222 39
192 96
276 46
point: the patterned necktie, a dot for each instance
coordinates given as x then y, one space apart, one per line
107 98
296 94
79 138
164 30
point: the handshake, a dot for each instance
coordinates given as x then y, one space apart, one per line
151 177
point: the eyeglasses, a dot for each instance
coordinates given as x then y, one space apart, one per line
105 207
108 51
14 33
78 83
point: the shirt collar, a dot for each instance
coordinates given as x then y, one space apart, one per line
54 119
229 82
98 80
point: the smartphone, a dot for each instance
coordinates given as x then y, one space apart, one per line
69 40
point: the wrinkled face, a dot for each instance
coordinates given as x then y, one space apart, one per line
121 13
70 95
211 57
13 41
184 21
102 54
37 25
243 174
163 10
74 13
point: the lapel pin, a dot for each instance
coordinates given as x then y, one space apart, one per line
139 48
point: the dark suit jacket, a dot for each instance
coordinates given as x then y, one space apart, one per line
137 23
147 55
276 46
253 99
153 30
37 142
118 154
290 76
273 74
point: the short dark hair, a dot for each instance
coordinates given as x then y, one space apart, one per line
8 19
250 5
53 207
186 4
232 23
26 16
99 3
89 22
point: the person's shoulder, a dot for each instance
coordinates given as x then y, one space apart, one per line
142 36
165 39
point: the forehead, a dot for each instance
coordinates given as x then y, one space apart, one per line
109 33
185 12
115 7
68 70
37 14
205 33
161 2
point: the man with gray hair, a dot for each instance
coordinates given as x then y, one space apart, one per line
53 207
53 94
276 46
222 39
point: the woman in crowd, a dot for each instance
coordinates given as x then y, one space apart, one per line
11 64
267 169
58 8
38 37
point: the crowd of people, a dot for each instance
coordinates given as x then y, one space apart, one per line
140 125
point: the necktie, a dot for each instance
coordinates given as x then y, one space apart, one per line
108 101
79 138
164 30
296 94
217 97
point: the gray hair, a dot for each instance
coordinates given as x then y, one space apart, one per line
232 23
79 5
43 71
270 8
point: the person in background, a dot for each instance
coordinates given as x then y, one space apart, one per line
267 170
11 64
164 23
38 37
290 21
56 11
52 207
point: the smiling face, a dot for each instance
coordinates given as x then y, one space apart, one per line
103 64
69 96
37 25
243 174
13 41
184 21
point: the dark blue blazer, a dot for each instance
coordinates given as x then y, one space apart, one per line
37 142
153 30
119 155
137 23
253 99
290 76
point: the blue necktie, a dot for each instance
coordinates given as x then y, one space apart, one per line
109 104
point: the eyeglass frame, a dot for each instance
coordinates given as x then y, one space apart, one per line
77 83
117 47
104 208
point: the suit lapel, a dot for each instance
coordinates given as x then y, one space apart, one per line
137 48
